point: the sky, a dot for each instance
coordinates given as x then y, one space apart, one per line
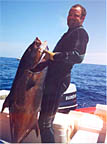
21 21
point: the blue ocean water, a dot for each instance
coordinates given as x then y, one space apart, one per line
90 81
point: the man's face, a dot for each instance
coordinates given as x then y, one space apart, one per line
74 17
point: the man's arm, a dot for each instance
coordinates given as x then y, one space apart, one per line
69 57
78 52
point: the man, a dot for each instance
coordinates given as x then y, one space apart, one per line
69 50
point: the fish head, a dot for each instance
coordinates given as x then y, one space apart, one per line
33 54
38 42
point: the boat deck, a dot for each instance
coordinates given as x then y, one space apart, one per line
74 127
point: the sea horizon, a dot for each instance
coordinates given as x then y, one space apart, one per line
80 63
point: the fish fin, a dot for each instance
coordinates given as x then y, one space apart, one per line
30 84
2 108
37 129
37 132
5 104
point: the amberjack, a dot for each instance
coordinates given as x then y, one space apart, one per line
25 96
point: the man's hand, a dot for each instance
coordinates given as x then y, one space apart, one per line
42 49
49 55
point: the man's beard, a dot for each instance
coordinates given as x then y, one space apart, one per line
72 24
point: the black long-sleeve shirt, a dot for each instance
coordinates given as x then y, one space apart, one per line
69 50
72 46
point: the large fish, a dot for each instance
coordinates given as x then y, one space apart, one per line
25 95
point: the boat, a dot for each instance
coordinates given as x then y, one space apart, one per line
68 100
71 125
18 58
